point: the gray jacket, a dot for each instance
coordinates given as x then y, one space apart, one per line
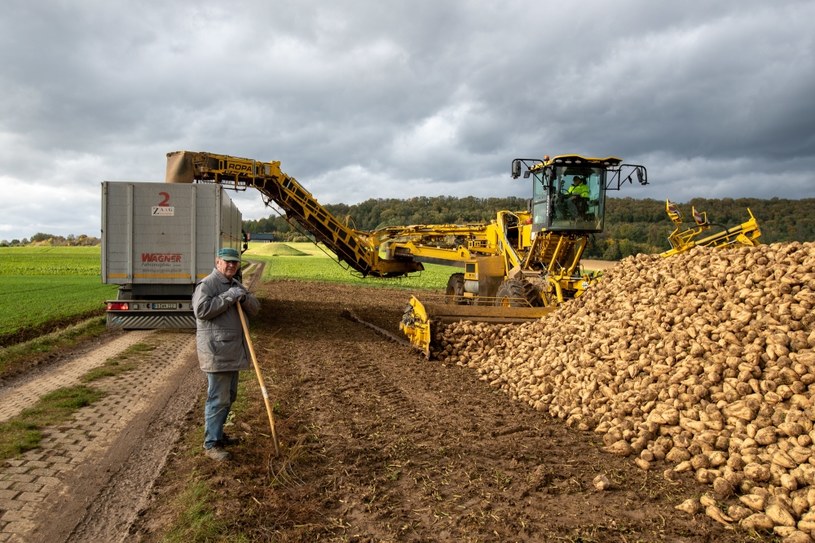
219 334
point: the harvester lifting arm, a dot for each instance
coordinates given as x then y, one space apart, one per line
747 233
360 250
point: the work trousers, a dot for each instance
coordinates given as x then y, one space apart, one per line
222 390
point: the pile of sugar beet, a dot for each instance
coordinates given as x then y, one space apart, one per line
701 363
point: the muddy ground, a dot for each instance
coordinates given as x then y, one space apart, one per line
378 444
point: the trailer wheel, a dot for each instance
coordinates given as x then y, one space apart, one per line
455 289
517 293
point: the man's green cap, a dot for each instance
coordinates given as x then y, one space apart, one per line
229 254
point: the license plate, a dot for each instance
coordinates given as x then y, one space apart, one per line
164 306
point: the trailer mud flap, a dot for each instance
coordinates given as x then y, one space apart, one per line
132 320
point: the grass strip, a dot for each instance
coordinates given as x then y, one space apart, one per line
121 363
21 357
24 432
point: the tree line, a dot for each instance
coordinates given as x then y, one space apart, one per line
41 238
632 225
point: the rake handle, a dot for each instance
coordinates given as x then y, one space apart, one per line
260 378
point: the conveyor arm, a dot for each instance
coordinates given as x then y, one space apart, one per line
360 250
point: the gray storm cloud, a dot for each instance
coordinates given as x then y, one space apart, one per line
374 99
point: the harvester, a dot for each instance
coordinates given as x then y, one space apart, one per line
524 263
517 267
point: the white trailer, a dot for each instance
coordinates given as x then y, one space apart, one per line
158 239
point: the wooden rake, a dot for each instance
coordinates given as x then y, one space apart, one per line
260 378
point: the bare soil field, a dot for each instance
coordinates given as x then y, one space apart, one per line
379 444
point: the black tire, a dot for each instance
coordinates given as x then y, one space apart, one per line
455 289
517 293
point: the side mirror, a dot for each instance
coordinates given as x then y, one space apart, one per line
642 176
516 169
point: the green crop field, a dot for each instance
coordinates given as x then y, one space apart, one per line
44 284
308 262
49 284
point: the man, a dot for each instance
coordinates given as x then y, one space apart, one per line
222 349
577 197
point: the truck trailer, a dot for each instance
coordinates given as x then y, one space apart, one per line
158 240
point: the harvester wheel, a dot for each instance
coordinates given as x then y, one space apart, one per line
518 293
455 289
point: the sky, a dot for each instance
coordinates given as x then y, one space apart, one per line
362 99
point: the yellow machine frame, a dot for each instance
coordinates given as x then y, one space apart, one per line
685 239
518 266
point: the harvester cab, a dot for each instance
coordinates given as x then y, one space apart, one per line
569 191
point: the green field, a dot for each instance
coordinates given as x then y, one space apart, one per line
45 284
309 262
50 284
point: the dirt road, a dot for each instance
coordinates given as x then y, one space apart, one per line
92 476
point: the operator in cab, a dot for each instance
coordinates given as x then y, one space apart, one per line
577 197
